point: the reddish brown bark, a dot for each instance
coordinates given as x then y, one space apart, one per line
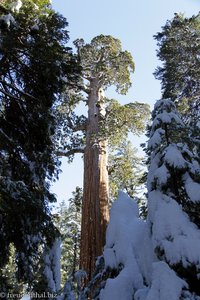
95 209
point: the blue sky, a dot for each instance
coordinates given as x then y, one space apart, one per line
134 22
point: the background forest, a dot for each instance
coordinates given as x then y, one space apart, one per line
133 230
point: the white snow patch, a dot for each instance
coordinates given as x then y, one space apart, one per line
156 138
165 103
35 5
174 157
172 230
155 160
110 258
8 19
165 283
162 175
15 6
167 118
192 189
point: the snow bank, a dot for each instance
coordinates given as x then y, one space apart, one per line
127 245
142 276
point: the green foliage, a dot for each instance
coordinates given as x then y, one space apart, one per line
104 60
123 119
8 277
125 171
179 48
41 3
179 40
103 63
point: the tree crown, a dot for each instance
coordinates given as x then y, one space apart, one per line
104 60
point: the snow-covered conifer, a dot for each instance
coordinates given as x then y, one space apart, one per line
52 266
173 201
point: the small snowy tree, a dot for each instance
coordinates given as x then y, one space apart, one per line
52 266
173 201
70 228
49 277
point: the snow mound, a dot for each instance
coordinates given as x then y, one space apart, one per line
127 241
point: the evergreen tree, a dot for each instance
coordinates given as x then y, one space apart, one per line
8 274
104 64
179 49
173 198
70 228
34 60
125 171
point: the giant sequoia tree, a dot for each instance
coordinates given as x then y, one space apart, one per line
103 64
33 61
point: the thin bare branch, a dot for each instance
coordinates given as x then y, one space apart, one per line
70 152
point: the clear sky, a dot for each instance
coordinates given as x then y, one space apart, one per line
134 22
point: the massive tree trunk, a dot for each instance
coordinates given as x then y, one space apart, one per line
95 209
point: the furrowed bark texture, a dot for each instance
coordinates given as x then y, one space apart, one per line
95 209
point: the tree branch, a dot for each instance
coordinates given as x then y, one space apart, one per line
9 95
61 153
76 127
18 90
